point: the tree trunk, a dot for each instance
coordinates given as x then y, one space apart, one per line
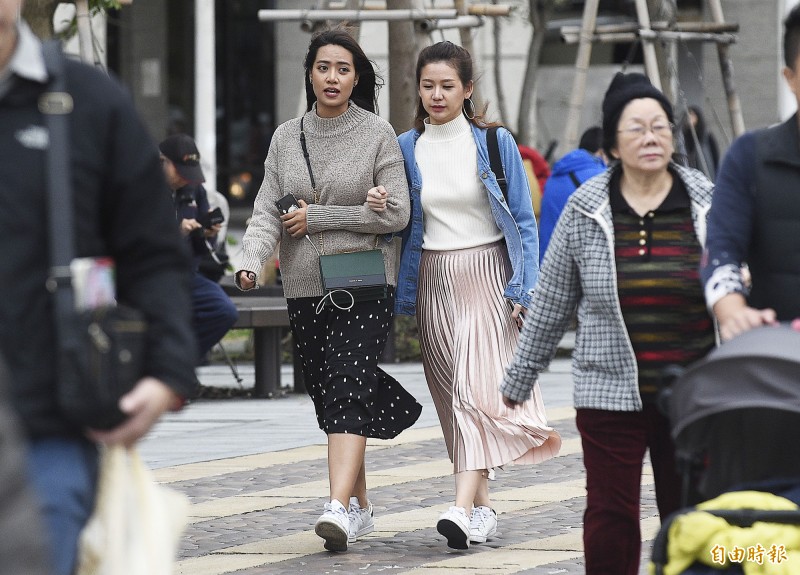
537 15
402 68
84 30
465 37
355 26
39 15
498 76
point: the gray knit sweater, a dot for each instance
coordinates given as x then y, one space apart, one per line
349 155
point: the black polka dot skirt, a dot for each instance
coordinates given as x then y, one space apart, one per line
340 350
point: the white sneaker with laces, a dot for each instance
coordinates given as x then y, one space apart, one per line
482 524
334 526
454 524
361 520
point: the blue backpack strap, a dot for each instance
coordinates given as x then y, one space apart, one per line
494 160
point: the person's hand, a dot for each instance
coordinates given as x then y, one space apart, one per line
295 221
376 199
518 315
212 231
144 404
247 279
189 225
510 403
735 317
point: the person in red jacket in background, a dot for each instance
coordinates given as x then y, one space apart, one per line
540 166
535 165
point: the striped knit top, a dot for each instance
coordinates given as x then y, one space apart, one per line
662 302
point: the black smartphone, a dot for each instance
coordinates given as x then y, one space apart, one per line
287 203
215 217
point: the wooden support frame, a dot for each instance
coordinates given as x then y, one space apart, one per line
717 31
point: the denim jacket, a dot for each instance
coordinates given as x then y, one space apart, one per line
514 218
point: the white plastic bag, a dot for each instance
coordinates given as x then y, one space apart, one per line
136 524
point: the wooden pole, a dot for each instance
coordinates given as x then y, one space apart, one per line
571 35
649 50
570 139
353 15
726 66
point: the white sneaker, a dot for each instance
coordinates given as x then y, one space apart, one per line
482 524
454 524
361 520
334 526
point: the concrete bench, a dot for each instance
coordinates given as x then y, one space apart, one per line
268 318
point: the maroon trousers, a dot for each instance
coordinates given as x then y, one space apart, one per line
614 446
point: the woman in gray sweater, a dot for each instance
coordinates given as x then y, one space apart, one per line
360 195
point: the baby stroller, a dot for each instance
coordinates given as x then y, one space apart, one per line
735 419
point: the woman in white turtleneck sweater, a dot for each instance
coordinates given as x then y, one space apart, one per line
467 269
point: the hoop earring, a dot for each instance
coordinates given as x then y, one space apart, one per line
472 106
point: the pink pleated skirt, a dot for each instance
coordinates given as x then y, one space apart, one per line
467 338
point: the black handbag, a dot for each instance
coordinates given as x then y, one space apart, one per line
100 351
348 277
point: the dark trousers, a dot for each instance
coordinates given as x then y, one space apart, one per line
213 313
614 446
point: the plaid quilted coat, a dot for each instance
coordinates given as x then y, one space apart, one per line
579 270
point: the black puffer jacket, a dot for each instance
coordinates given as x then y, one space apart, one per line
122 209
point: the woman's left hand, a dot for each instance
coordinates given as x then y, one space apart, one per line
295 221
518 314
377 198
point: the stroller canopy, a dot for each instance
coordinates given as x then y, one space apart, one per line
759 369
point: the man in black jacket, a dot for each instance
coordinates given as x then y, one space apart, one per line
213 312
120 211
755 219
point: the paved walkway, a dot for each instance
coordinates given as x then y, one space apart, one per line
256 473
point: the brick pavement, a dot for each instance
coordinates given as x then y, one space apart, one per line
253 511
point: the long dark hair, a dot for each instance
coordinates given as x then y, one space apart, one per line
365 93
461 61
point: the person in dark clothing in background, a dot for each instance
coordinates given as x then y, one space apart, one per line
213 311
702 151
121 212
755 219
568 174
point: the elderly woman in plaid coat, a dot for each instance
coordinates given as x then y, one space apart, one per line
625 253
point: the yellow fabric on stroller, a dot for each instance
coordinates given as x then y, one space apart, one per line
763 548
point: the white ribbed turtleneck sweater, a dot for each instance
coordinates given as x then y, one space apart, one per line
455 203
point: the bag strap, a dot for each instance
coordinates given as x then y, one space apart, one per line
575 180
56 105
495 162
308 159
